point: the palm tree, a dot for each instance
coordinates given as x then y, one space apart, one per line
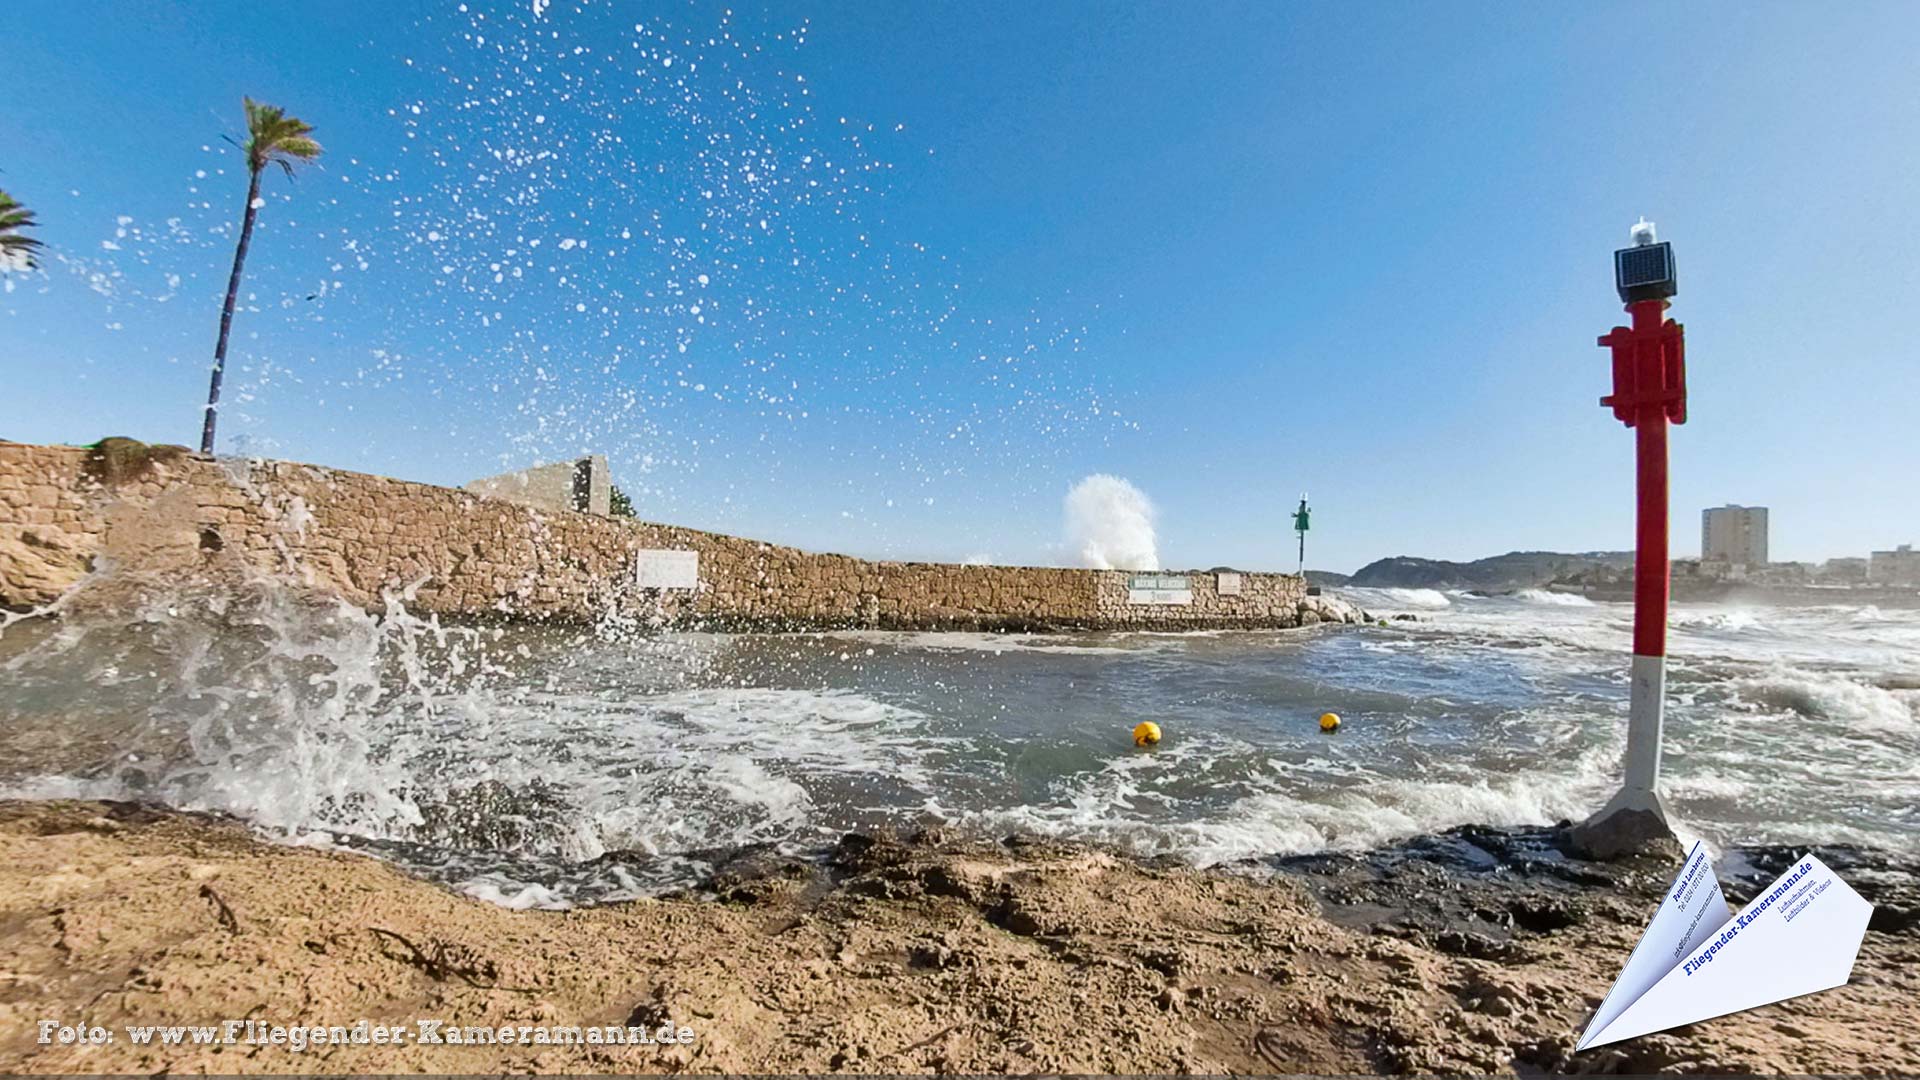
273 138
16 248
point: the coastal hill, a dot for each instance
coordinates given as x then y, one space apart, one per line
1498 573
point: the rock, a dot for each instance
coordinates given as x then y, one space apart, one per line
1622 834
117 460
1103 965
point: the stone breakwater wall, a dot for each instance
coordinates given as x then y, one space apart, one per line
66 510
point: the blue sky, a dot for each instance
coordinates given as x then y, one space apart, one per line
889 279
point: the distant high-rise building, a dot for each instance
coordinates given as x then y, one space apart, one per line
1901 566
1736 535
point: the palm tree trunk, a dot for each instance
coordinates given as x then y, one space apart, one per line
226 313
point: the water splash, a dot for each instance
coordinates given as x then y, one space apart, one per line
1109 525
648 234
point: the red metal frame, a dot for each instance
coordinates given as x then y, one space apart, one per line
1649 391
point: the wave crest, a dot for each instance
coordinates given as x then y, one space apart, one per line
1831 698
1554 599
1392 598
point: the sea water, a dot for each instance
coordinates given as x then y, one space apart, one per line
540 765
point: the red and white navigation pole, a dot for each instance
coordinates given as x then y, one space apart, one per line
1649 392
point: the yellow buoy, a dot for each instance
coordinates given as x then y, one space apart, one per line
1146 733
1329 722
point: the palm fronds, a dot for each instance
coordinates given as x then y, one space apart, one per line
17 250
274 138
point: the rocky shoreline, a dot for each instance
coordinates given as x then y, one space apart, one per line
1476 951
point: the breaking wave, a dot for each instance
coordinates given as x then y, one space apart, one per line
1557 599
1833 699
1109 525
1123 805
1398 599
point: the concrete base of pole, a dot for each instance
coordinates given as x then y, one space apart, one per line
1620 831
1636 817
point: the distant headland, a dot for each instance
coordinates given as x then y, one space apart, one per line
1608 575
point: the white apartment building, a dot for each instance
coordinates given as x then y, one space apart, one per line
1736 535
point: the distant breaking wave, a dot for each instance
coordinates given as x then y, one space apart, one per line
1542 596
1399 599
1109 525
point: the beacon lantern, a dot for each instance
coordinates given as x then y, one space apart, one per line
1644 271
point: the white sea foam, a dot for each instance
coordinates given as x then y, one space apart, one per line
516 896
1398 599
1735 620
1684 786
1118 807
1558 599
1110 525
715 768
983 642
1833 699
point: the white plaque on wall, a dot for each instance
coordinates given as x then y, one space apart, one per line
1227 584
1159 589
666 569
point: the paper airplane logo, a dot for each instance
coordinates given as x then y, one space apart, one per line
1698 960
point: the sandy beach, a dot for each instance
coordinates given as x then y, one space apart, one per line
1479 951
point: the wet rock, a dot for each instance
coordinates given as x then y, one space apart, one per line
1893 888
1476 946
1551 1055
491 816
762 873
949 881
1542 916
862 853
1622 834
